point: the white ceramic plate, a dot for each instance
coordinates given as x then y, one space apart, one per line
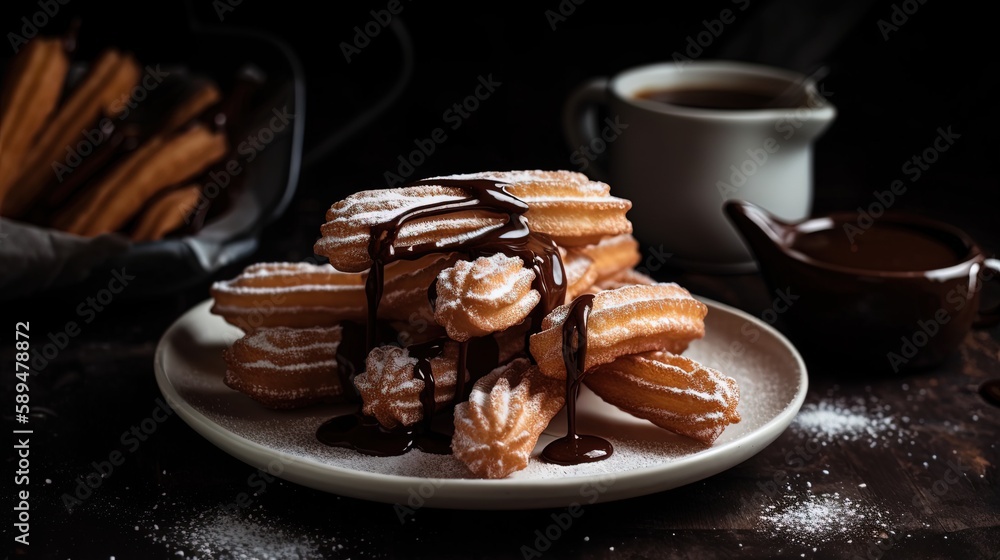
770 372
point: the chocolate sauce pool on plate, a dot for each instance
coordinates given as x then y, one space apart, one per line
573 449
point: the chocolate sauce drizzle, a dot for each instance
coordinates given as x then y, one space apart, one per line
512 238
573 449
478 356
350 358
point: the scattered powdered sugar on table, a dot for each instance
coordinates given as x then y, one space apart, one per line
224 534
838 420
826 518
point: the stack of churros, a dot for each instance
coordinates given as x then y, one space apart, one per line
77 162
476 306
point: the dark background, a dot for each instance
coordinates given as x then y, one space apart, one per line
937 70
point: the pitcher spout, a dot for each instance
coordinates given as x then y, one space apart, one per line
765 235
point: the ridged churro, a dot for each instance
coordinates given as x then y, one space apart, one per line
673 392
30 93
624 321
286 368
481 297
496 429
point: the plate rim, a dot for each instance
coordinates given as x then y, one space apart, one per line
398 485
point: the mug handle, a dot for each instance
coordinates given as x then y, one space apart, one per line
990 316
580 124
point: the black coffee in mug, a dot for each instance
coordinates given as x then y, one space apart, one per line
720 97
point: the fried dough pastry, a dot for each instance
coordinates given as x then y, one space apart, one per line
194 104
624 321
314 295
404 292
580 273
106 84
166 213
629 277
349 223
513 342
290 295
29 97
673 392
484 296
285 368
497 428
612 255
161 162
391 392
566 206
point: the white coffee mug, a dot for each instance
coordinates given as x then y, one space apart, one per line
679 164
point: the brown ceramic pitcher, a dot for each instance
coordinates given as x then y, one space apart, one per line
903 293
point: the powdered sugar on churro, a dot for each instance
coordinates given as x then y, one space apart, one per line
263 340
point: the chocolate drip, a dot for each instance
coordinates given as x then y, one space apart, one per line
477 356
373 291
512 238
537 250
460 369
350 358
363 433
573 449
990 391
424 353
